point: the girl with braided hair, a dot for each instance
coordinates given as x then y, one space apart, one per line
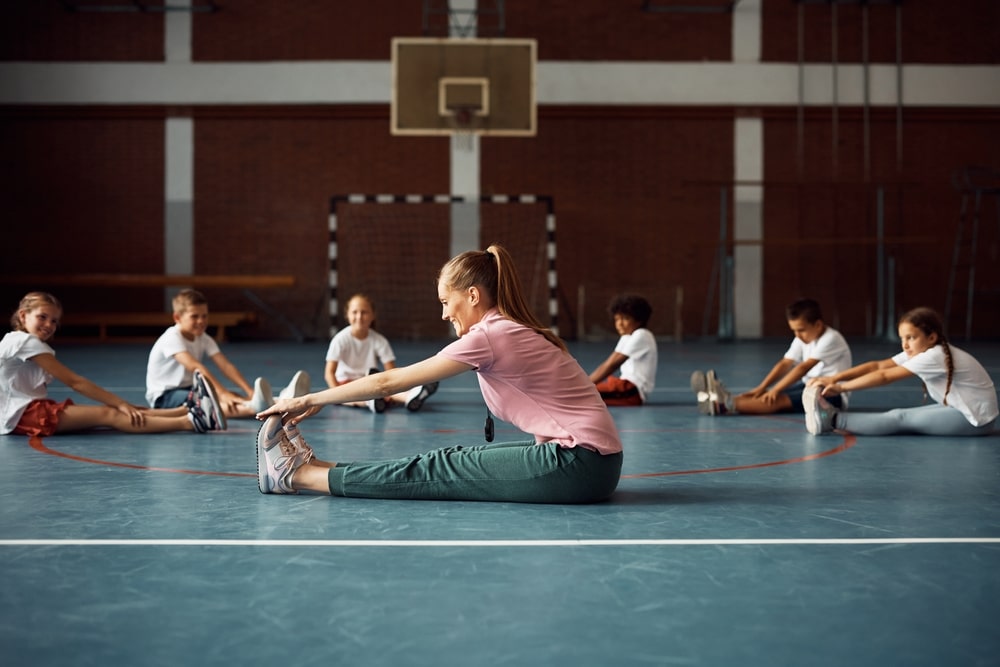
527 377
964 395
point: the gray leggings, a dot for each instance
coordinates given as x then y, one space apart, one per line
513 472
933 419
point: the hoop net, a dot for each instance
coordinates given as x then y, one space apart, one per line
463 120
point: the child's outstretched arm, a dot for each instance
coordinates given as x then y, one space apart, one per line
781 368
226 397
85 387
881 375
868 368
229 369
608 366
330 373
797 372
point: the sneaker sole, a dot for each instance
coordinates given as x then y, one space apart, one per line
262 477
715 387
418 401
210 390
809 404
262 397
299 386
699 384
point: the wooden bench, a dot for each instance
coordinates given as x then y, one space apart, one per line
149 280
106 323
121 326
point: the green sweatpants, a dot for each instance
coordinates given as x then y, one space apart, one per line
522 472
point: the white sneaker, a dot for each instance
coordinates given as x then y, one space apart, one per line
202 422
277 458
699 385
302 448
819 411
415 397
376 405
718 394
299 386
262 397
207 401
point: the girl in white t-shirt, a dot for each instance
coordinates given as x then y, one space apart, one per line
527 378
356 351
964 395
28 364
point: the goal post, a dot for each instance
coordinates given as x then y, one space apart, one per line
390 247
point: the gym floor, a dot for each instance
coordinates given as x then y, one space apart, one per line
731 540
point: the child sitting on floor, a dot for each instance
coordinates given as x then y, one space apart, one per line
355 352
635 354
817 349
28 363
180 351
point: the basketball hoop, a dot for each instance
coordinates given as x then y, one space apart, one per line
484 87
462 119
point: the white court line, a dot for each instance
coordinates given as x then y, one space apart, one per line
494 543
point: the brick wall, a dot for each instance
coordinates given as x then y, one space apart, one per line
636 189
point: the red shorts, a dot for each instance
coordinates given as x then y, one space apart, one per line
40 417
616 391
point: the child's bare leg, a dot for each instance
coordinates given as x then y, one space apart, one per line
180 411
238 410
83 417
749 405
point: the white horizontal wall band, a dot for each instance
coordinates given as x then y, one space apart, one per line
583 83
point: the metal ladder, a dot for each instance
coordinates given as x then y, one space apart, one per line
975 184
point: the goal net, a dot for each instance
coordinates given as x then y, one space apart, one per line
391 247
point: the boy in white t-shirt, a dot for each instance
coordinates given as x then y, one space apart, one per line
635 354
181 350
817 350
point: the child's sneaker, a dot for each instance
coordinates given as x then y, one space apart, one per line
376 405
208 402
202 422
299 386
302 448
820 414
262 397
277 458
699 385
415 397
722 401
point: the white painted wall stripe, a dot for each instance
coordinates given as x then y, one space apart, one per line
604 83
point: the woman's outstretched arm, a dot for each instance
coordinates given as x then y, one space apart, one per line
376 385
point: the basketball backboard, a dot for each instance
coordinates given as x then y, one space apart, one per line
452 86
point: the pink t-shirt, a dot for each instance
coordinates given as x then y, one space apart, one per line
532 384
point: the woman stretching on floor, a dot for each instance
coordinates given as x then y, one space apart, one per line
964 395
527 378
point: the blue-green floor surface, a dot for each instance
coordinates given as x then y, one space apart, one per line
734 540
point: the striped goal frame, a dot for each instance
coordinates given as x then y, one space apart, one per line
514 200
